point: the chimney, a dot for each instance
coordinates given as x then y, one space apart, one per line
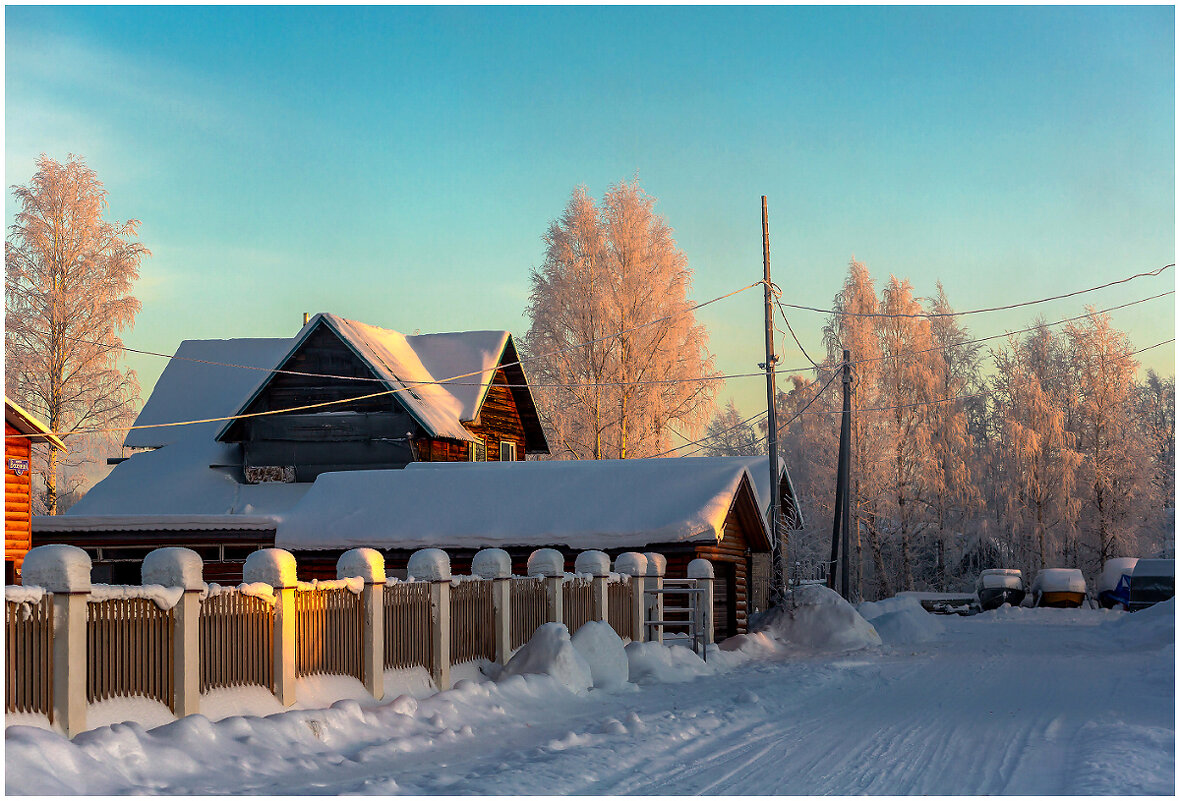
306 317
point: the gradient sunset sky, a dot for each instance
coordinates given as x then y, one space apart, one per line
399 165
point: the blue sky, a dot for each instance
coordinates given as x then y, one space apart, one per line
400 165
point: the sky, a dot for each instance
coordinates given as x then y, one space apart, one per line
400 166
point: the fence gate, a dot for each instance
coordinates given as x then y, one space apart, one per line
682 599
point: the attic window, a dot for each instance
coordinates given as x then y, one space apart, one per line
477 452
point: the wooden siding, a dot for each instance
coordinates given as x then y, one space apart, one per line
17 511
499 421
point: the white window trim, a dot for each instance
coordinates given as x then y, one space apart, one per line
512 447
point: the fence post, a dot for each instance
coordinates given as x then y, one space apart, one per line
494 564
276 567
368 564
64 571
433 565
181 567
657 565
550 565
702 571
597 564
635 565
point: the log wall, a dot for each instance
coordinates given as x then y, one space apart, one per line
17 510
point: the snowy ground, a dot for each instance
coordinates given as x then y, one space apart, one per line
1018 701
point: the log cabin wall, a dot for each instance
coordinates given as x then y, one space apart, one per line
17 499
499 421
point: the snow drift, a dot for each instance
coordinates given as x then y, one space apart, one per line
550 653
817 618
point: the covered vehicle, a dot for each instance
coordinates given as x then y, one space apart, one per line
1152 581
1061 587
997 586
1114 585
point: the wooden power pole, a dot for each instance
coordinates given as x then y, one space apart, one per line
778 587
842 507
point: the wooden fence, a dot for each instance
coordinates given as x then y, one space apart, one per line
121 642
576 602
327 632
129 650
28 649
237 641
472 622
528 609
408 626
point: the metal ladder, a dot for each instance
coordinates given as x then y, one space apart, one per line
692 594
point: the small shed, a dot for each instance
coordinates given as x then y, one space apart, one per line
682 508
21 430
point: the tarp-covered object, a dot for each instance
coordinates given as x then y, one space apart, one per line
1114 585
1152 581
579 504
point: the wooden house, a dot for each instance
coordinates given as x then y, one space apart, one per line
21 430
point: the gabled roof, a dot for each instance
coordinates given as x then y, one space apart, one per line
198 384
616 503
412 368
759 467
25 423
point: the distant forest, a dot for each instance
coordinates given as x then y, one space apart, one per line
1039 449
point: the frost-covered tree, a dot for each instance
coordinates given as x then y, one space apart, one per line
1155 412
67 293
1115 473
727 434
613 346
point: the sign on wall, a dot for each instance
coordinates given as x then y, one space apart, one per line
18 466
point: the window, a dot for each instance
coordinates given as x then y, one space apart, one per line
507 451
477 452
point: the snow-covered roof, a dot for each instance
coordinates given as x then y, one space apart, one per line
580 504
759 467
196 386
412 366
177 479
177 522
24 422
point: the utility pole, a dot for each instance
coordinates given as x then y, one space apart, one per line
841 507
778 587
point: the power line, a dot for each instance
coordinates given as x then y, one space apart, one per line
979 311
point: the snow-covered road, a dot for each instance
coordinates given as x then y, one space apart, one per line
1014 702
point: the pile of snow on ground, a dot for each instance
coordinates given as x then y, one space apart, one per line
902 621
603 651
652 663
818 618
550 653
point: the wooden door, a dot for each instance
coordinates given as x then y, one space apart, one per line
724 600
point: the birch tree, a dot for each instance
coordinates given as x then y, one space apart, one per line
1155 412
728 434
69 275
613 347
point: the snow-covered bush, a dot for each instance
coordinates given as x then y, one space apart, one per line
603 651
818 618
551 653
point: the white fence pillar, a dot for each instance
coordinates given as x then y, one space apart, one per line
368 564
549 564
494 564
65 571
276 567
433 565
702 571
597 564
657 565
635 565
181 567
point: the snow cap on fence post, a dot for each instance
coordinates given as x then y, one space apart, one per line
631 563
492 563
429 564
657 564
173 567
700 569
364 563
596 563
546 562
272 566
57 568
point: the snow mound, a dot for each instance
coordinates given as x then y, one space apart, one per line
907 626
596 563
652 663
57 568
1153 627
550 653
818 618
272 566
364 563
546 562
603 651
173 567
870 610
631 563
